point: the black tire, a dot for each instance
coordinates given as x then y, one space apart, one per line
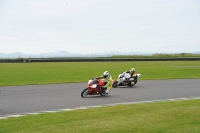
130 85
135 82
85 92
103 93
115 84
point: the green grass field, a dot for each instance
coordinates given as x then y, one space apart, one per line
55 73
161 117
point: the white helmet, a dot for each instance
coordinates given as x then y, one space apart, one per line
106 74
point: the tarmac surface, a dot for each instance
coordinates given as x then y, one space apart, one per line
15 100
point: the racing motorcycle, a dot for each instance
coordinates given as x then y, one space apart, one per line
126 80
94 88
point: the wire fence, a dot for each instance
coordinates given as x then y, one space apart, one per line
92 59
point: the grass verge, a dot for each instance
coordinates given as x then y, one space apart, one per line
161 117
65 72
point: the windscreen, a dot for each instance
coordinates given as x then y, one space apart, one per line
94 81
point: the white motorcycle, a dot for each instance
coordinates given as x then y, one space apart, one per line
126 80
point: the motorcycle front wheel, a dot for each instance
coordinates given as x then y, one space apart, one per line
85 92
115 84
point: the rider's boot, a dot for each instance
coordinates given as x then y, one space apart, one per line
107 91
119 81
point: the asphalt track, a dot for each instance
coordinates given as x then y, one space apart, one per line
15 100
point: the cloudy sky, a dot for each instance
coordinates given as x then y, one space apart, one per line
96 26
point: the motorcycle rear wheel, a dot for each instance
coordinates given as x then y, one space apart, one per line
103 93
85 92
135 82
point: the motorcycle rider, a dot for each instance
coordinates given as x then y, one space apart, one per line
107 78
132 72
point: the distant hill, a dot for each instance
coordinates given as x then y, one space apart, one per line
68 54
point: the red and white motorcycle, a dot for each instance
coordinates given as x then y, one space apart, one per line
94 88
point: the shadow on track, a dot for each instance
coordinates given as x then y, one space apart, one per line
98 96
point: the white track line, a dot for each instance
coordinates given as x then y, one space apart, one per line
87 107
